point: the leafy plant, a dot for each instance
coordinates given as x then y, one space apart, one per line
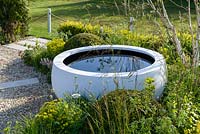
60 117
55 47
33 57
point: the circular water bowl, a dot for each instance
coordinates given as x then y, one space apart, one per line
96 70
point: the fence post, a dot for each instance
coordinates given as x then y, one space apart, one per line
131 24
49 20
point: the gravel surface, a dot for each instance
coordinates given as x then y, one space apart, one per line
20 101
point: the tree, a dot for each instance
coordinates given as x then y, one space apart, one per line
159 7
13 19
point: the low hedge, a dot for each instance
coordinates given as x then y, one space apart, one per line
71 28
83 39
155 42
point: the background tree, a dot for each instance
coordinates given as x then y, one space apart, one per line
13 19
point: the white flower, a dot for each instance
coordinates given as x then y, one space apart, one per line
76 95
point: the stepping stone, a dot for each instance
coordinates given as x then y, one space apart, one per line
40 40
19 83
17 47
28 42
32 42
23 44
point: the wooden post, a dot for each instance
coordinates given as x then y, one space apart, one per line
131 24
101 29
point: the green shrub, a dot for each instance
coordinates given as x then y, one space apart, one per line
181 98
60 117
55 47
14 19
37 56
115 37
33 57
71 28
126 111
55 117
83 39
136 112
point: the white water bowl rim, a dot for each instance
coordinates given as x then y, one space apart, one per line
58 60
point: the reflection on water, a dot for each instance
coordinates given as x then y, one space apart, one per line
110 63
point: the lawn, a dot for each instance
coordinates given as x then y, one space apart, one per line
81 10
99 13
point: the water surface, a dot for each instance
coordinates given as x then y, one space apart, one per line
110 63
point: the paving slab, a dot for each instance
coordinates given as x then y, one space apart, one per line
26 42
40 40
23 44
18 83
16 47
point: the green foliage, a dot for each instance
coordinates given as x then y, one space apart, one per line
33 57
14 19
83 39
186 41
165 126
134 112
181 98
71 28
147 41
27 125
60 117
55 117
198 127
126 111
158 43
114 36
55 47
125 37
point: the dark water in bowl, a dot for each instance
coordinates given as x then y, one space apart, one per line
110 63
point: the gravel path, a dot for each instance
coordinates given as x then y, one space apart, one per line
20 101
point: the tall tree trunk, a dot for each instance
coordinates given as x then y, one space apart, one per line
196 46
117 7
191 31
125 7
170 28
